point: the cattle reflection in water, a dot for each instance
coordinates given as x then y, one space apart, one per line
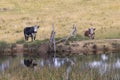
103 64
52 62
30 63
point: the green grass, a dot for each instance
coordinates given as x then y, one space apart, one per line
103 14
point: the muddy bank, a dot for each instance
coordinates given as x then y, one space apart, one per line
72 48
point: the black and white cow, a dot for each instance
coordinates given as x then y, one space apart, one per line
30 32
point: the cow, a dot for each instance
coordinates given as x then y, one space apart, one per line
30 32
90 33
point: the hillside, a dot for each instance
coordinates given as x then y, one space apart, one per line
104 15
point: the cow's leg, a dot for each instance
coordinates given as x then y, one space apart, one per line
32 37
26 37
93 35
89 36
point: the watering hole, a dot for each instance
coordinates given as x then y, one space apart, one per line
101 66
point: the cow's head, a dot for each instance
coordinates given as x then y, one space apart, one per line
91 30
36 28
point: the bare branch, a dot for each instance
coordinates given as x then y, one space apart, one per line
73 33
52 41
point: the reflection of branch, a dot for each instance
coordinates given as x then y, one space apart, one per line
69 68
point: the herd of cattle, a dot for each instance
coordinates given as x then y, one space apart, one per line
32 31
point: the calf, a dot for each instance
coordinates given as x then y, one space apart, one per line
90 33
30 32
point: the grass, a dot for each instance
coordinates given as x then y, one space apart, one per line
17 14
79 70
3 45
103 14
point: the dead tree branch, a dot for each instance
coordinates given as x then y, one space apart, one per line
52 41
73 33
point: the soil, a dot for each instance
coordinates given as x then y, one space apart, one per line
72 48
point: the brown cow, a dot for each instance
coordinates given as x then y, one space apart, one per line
90 33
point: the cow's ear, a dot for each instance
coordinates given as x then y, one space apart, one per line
38 26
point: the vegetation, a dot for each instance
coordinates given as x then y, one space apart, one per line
17 14
4 44
79 71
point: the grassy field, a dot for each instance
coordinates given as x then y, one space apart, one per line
104 15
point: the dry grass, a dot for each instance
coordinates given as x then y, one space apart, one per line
17 14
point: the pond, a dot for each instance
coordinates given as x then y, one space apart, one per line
83 67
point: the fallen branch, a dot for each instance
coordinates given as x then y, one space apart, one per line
73 33
65 40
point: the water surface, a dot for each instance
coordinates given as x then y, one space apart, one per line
102 66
